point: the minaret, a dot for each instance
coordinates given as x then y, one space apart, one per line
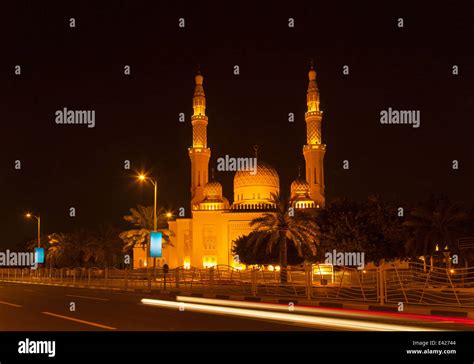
199 153
314 150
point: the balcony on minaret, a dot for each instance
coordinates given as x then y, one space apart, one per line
199 108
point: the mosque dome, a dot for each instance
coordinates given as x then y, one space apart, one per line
213 189
299 187
300 194
213 198
254 189
265 175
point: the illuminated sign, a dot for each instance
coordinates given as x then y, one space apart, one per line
156 244
39 255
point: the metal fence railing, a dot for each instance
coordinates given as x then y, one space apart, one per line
430 286
417 285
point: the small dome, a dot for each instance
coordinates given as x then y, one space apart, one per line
213 189
299 187
265 175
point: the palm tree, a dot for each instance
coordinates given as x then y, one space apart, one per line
435 223
69 248
57 248
142 218
104 246
280 226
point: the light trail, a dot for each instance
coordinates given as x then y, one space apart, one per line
326 310
291 318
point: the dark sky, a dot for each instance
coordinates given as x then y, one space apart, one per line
137 115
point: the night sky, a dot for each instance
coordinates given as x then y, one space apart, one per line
137 116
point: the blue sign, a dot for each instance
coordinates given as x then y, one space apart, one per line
39 255
156 244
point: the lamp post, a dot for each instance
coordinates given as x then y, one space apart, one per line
38 218
154 182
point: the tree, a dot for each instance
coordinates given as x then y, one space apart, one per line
98 247
69 249
142 218
244 247
56 252
278 227
372 227
385 234
340 226
104 246
435 222
32 243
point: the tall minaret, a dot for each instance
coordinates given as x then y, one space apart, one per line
314 150
199 153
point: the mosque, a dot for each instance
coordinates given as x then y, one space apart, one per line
206 238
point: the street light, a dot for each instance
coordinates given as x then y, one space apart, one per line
154 182
28 216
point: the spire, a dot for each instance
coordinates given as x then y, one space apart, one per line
312 98
299 171
199 99
314 149
255 148
212 174
199 153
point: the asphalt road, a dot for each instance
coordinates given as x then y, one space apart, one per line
32 307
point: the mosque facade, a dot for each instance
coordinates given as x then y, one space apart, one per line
206 238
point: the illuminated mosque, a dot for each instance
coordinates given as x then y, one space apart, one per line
206 238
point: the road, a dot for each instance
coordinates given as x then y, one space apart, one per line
40 307
32 307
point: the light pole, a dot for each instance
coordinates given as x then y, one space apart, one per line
38 218
154 182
